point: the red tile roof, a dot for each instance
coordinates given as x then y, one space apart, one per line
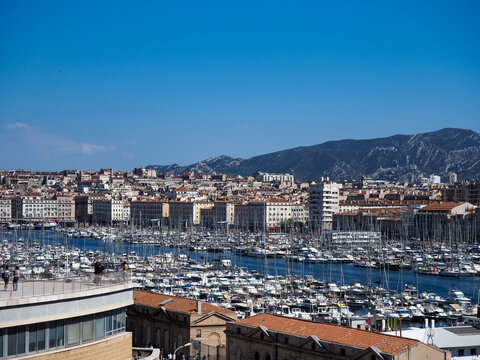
332 333
178 304
441 206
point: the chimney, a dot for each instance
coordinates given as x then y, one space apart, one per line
199 307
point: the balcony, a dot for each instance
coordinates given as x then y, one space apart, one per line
39 290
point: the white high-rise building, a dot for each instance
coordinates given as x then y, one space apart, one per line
322 204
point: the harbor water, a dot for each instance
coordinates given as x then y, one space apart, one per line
338 273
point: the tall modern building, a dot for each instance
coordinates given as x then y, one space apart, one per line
323 202
66 319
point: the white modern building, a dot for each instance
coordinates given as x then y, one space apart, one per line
66 319
266 177
323 202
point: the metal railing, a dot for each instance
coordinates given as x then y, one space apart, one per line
71 284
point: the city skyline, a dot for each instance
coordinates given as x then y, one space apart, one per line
126 86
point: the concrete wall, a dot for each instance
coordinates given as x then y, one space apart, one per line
118 347
63 306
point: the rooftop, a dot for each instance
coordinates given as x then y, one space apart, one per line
178 304
448 337
332 333
42 290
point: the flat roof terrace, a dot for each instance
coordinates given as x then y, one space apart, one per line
47 290
37 301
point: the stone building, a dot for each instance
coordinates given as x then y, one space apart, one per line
168 322
273 337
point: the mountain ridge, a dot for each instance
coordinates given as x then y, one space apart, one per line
397 157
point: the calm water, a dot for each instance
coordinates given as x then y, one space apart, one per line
339 273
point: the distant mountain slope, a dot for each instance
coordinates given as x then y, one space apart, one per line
398 157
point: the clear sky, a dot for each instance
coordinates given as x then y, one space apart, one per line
123 84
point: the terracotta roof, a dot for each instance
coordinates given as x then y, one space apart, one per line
332 333
441 206
178 304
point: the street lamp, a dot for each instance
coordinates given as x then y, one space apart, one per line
175 352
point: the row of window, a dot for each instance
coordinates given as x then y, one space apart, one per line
57 334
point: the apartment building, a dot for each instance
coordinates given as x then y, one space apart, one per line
463 192
183 213
34 207
84 207
147 213
266 177
5 210
109 212
323 202
272 212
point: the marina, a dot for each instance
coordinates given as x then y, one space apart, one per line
293 276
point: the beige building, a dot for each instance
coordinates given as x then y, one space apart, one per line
168 322
34 207
274 337
5 210
273 212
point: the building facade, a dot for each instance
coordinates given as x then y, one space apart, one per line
5 210
148 213
323 202
186 213
273 337
84 207
56 319
35 208
109 212
168 322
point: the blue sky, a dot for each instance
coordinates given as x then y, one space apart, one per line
124 84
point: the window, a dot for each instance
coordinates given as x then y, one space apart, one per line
73 332
32 338
21 339
199 332
342 352
312 346
473 351
12 341
109 319
100 327
285 340
60 334
461 352
1 343
87 329
41 337
52 335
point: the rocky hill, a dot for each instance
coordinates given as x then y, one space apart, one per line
398 157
